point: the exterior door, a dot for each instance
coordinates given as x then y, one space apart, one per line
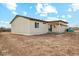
50 28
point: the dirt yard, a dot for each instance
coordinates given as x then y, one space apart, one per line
40 45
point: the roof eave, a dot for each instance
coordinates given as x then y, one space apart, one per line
36 19
27 18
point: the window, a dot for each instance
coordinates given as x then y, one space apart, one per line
36 25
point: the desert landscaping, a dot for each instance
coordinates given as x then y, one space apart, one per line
65 44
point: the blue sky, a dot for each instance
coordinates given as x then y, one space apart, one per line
46 11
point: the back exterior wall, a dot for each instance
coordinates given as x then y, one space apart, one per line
20 26
43 28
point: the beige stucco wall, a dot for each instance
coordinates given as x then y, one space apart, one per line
20 26
54 29
27 27
59 28
62 29
43 28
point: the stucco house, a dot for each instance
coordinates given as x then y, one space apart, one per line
30 26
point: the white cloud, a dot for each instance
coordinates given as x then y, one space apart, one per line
63 20
11 6
75 6
70 10
24 13
30 7
63 16
45 4
15 13
73 25
51 19
58 16
54 19
45 9
1 21
39 7
4 24
50 9
69 16
43 14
